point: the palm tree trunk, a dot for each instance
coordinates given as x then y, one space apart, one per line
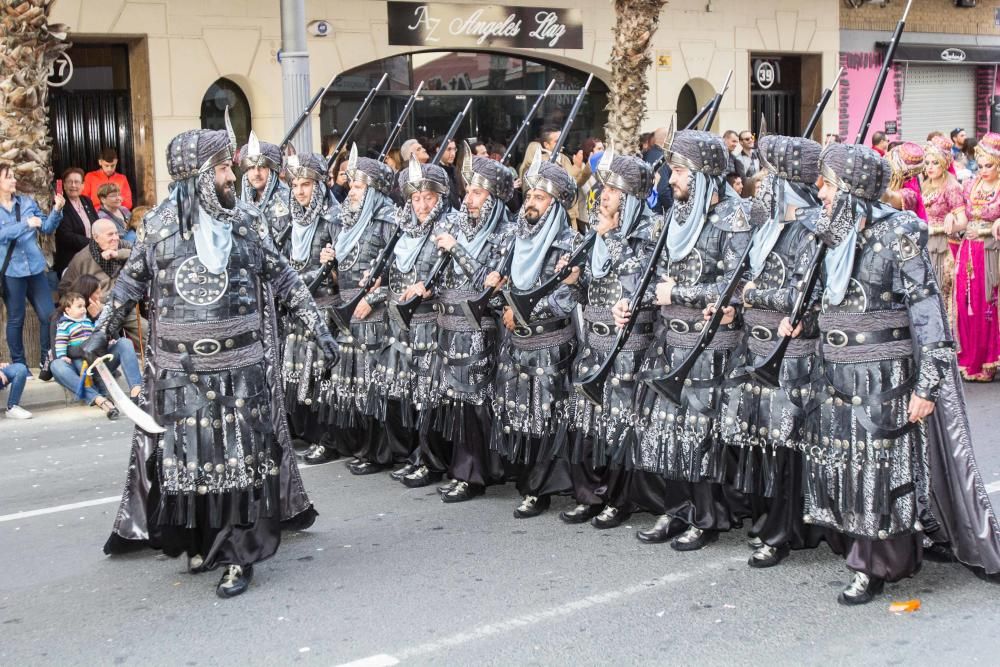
635 23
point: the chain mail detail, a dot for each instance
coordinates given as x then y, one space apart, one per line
208 197
469 225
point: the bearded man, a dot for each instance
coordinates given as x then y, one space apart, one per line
217 483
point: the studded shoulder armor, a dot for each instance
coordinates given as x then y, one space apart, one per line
161 222
911 235
732 214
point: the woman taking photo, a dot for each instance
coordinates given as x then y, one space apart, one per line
22 265
73 233
943 201
976 325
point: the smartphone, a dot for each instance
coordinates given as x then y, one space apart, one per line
59 189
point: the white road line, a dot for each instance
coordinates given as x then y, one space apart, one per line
526 620
58 508
993 487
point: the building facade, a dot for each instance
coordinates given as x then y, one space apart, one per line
944 74
146 70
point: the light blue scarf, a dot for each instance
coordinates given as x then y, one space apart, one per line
349 237
600 256
213 239
529 253
682 236
475 245
839 260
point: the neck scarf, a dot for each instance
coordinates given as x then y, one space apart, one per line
472 240
630 210
533 242
213 237
687 219
352 227
110 266
305 221
415 234
250 192
839 260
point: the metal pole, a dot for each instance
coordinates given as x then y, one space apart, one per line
295 70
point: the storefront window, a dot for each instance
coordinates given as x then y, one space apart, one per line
503 88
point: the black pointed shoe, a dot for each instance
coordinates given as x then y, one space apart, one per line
694 539
422 476
580 514
462 491
532 506
610 517
366 468
662 531
861 590
319 454
398 475
195 563
235 581
768 556
445 488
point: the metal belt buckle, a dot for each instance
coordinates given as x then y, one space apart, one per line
836 338
679 326
761 333
600 328
206 347
522 331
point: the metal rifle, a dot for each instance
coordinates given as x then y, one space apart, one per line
398 127
324 270
655 166
592 386
768 370
297 125
717 102
821 105
522 128
474 309
341 315
403 311
353 125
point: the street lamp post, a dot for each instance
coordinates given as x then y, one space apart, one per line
295 70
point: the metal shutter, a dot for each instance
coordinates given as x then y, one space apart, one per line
938 97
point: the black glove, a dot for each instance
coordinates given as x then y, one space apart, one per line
331 351
95 347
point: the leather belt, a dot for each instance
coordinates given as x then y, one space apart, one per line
538 328
605 329
841 338
763 333
207 347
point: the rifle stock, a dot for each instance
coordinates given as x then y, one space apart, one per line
522 303
341 315
403 311
397 128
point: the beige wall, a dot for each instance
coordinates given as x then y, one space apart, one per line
925 16
194 42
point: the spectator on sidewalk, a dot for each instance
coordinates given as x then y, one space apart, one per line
664 193
880 143
412 148
108 162
79 214
14 376
732 140
112 209
22 264
746 159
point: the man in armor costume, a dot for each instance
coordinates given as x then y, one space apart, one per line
217 483
262 187
466 352
533 391
887 355
404 381
623 223
309 251
366 223
766 424
707 233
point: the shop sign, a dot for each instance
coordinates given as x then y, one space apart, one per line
472 25
765 74
891 127
953 55
60 71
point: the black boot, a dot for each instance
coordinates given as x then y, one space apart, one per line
580 514
398 475
445 488
235 581
366 468
532 506
462 491
319 454
664 529
861 590
694 539
422 476
767 556
610 517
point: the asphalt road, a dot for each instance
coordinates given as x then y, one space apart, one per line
390 574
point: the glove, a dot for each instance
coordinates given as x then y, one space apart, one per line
95 347
331 351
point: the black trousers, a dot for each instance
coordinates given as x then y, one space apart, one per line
472 460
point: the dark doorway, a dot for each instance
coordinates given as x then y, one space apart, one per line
93 111
219 95
687 106
776 94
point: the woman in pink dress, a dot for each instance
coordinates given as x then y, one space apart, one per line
943 200
977 323
903 193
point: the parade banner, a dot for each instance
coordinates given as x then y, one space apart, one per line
476 25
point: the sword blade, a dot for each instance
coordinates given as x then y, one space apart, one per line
124 404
